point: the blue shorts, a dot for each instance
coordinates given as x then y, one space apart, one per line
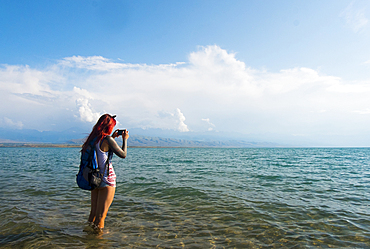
103 184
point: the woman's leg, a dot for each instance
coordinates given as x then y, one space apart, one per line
104 200
94 205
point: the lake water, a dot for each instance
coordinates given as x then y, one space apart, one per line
191 198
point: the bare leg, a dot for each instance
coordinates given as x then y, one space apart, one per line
104 200
94 205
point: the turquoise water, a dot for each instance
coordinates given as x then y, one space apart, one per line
191 198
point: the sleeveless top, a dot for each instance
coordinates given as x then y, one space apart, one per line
109 176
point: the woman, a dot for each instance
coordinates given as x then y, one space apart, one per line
102 197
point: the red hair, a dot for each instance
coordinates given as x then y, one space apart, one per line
102 128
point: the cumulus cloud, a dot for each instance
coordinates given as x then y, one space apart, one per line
180 119
177 120
213 83
85 111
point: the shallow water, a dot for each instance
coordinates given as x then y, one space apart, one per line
191 198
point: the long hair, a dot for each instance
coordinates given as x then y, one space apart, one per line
102 128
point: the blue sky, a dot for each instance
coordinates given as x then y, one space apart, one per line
278 71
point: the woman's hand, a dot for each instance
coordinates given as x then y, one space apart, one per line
125 134
115 134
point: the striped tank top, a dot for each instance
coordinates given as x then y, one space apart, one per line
109 176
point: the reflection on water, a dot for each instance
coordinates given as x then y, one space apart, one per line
191 198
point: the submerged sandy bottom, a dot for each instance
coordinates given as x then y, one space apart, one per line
191 198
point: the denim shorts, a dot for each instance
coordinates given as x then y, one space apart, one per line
103 184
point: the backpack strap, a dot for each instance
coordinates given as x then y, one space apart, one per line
92 155
110 155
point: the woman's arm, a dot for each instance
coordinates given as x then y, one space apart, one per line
121 152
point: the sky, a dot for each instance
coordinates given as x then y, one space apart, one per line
290 72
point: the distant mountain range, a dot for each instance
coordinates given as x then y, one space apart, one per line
145 141
75 137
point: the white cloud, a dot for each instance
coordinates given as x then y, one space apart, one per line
209 123
212 84
174 121
97 63
86 113
355 16
180 121
23 79
362 112
82 92
7 122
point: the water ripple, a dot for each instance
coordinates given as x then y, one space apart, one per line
192 198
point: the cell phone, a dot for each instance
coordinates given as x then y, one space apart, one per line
120 132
